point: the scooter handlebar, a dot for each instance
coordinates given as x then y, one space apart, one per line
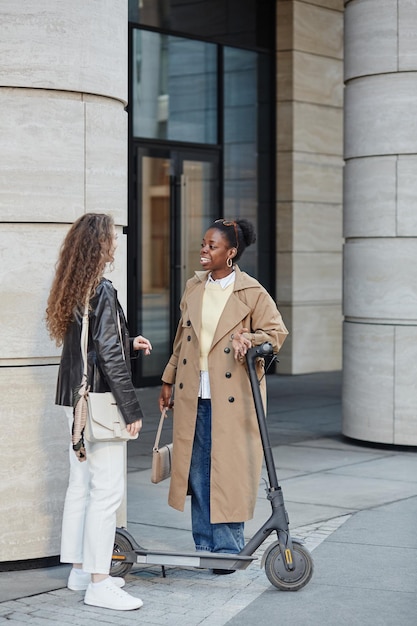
265 349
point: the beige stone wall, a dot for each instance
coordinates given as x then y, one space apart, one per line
63 144
380 223
309 182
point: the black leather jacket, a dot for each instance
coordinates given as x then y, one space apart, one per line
107 370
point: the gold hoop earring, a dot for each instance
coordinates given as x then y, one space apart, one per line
229 262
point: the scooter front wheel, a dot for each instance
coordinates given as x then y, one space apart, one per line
289 580
120 567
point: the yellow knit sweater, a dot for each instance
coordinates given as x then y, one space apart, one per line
214 301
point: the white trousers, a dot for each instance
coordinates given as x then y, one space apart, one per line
95 492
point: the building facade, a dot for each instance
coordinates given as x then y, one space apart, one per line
297 114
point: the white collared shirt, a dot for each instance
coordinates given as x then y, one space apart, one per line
224 282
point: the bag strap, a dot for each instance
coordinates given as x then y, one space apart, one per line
161 423
84 339
120 335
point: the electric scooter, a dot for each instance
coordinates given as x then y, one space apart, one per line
288 564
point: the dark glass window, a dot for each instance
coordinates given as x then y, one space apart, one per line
248 23
240 139
174 88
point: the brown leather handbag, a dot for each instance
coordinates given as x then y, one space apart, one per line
161 457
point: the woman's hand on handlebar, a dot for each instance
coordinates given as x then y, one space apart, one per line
240 344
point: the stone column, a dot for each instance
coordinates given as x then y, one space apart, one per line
309 182
380 222
63 143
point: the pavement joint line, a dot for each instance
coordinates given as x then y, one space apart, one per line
314 534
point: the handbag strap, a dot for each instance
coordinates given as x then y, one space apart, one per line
120 335
161 423
84 338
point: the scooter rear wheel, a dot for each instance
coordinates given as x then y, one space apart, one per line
283 579
121 544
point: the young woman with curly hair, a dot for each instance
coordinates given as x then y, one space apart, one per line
96 486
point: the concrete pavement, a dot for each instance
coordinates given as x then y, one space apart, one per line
354 504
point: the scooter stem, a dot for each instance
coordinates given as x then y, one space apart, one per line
265 349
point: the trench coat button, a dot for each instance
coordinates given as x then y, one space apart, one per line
188 337
228 375
184 361
227 350
188 323
181 385
231 399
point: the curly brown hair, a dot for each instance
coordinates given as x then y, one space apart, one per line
85 251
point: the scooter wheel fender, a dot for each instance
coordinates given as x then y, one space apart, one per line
277 573
124 547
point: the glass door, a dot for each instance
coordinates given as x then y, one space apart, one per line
176 198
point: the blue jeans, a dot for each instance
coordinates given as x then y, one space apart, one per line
207 536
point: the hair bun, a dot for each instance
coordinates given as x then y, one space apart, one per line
248 231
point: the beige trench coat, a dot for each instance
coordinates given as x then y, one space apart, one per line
236 456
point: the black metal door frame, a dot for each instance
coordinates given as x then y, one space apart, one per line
177 153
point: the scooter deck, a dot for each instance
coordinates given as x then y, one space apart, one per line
205 560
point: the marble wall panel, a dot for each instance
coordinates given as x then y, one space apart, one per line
317 129
380 115
309 277
380 279
41 155
285 76
309 20
317 178
34 467
74 46
407 44
371 31
317 277
314 343
370 197
307 227
317 79
407 196
317 227
368 382
28 253
285 278
284 227
317 338
405 410
285 126
285 33
106 157
285 188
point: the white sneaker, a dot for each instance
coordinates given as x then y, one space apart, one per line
79 580
108 596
